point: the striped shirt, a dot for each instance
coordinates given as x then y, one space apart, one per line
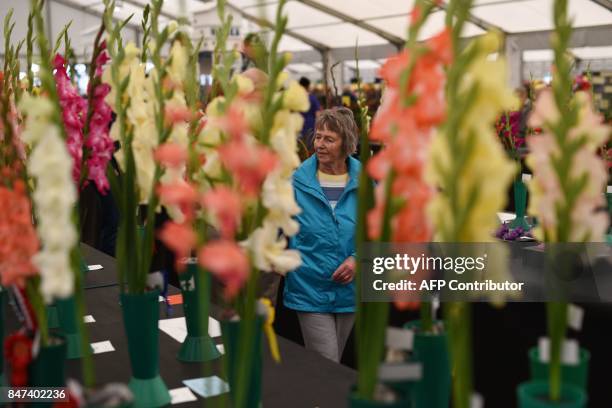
332 185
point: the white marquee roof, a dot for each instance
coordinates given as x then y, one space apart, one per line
340 24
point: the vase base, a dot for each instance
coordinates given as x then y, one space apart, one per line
520 222
198 349
150 393
535 395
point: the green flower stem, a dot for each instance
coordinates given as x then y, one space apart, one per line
46 70
458 314
123 185
372 318
459 328
570 186
426 317
38 305
367 360
29 51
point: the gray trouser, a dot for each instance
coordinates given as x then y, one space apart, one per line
326 333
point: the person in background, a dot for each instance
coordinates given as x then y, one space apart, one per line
322 290
310 115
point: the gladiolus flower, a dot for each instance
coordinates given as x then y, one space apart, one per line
175 113
228 262
179 238
181 194
171 155
248 164
225 206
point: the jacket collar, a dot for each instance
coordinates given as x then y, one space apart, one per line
306 175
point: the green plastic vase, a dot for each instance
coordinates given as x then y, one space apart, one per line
68 326
572 374
140 319
431 350
47 369
232 332
520 205
535 395
195 288
52 317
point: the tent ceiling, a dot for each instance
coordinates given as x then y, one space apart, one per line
585 53
536 15
321 24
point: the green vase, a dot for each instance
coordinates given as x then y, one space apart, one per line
195 288
535 395
68 326
52 318
140 320
47 369
233 332
431 350
572 374
520 205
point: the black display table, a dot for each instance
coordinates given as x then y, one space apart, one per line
302 379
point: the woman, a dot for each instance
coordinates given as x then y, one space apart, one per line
322 290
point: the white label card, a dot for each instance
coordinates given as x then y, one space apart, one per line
102 347
400 372
177 328
180 395
575 316
94 267
89 319
399 339
570 352
207 386
477 401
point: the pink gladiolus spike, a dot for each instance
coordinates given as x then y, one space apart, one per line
171 155
180 238
225 205
248 164
228 262
234 123
177 114
181 194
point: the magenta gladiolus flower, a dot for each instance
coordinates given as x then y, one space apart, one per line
74 111
74 114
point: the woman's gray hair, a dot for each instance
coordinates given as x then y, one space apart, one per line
341 121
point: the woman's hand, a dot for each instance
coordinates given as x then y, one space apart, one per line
345 272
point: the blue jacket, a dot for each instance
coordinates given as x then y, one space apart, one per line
326 238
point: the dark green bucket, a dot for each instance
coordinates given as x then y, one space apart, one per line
140 319
68 326
577 375
520 205
232 332
431 350
535 395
